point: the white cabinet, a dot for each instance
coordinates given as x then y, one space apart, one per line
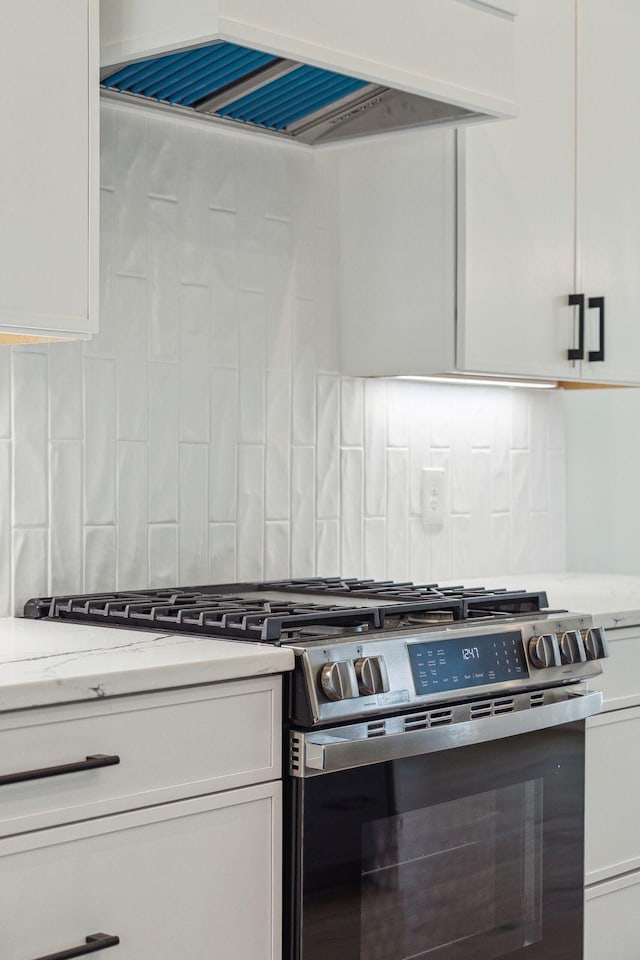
190 880
451 51
547 205
612 920
49 168
174 848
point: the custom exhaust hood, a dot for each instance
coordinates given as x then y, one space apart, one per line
275 95
313 74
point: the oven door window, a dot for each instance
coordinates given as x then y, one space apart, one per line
472 854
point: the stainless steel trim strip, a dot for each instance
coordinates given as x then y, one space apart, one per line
260 79
328 751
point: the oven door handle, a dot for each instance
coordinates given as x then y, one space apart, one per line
328 751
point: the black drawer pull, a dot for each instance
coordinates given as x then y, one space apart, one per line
90 763
577 300
96 941
598 303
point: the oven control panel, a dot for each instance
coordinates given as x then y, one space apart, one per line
365 675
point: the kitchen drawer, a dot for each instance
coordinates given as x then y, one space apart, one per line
620 681
171 745
612 919
612 828
191 880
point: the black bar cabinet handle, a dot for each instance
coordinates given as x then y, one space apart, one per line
597 303
90 763
95 941
577 300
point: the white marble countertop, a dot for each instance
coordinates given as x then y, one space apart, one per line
43 663
612 599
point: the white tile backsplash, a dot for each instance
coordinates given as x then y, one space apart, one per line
205 434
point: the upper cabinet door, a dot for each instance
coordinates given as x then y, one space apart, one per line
517 211
48 167
609 183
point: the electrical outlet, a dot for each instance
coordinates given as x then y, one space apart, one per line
432 496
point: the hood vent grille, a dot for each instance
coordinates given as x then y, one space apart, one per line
230 83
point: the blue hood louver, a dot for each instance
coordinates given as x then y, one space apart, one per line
231 83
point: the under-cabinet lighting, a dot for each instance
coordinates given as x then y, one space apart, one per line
487 382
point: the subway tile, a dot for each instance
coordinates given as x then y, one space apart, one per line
277 546
443 399
328 447
498 552
328 548
252 383
327 298
557 511
108 144
375 447
280 294
99 559
65 391
250 211
520 419
30 566
419 551
441 563
303 224
163 302
397 514
327 191
132 559
555 421
132 401
30 421
278 450
194 257
5 529
302 511
277 181
193 550
99 441
65 531
163 177
520 511
398 414
131 193
352 512
304 369
225 349
194 359
163 555
220 171
163 443
539 418
375 548
222 553
223 445
352 413
250 512
462 546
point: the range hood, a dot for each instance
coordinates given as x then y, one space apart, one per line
234 84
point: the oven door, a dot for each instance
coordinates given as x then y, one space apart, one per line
469 847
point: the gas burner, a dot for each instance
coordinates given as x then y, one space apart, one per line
285 611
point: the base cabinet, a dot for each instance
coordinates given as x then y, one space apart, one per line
184 880
612 920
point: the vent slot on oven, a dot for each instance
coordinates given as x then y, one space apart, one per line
423 721
295 745
537 699
376 728
492 708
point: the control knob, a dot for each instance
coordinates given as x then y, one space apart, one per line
372 675
595 643
338 680
544 651
572 648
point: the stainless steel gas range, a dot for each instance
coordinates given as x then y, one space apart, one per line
434 804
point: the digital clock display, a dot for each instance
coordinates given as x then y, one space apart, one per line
455 664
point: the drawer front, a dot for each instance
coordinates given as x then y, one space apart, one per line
196 879
612 920
172 745
612 824
620 680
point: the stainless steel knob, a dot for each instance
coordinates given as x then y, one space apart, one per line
338 680
544 651
572 648
595 643
372 675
